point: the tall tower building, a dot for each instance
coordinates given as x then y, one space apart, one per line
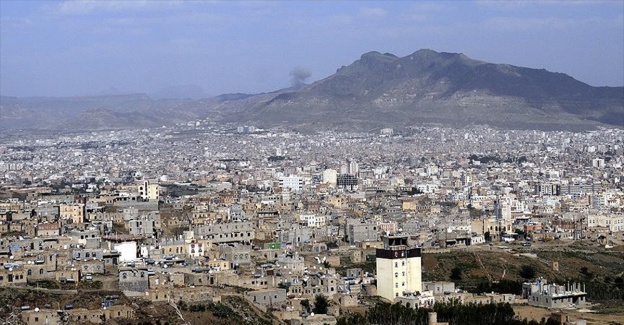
353 167
399 268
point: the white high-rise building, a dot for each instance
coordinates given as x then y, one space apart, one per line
330 176
354 168
292 183
350 167
399 268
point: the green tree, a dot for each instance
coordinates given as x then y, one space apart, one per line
585 273
456 274
320 304
305 303
454 313
527 272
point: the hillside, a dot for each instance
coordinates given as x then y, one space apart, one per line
378 90
449 88
232 309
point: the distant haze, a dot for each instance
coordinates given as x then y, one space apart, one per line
192 49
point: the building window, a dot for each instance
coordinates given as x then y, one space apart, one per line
396 274
396 285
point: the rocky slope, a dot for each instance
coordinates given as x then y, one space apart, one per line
427 86
378 90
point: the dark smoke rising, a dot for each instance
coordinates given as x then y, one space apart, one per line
298 76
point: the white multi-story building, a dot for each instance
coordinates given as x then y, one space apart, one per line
127 251
399 268
292 183
330 176
313 220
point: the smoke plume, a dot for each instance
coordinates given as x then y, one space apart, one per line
298 76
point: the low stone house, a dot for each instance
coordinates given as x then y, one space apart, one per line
133 279
267 298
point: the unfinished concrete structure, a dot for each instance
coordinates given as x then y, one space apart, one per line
542 294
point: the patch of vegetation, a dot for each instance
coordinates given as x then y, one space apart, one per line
610 307
502 286
45 284
68 285
238 289
219 310
12 298
90 285
485 159
527 272
456 274
277 158
305 303
602 292
320 304
454 314
370 265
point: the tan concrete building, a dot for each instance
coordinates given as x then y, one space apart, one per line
74 212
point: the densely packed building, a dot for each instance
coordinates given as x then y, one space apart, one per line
194 209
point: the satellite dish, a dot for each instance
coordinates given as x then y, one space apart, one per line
10 269
37 309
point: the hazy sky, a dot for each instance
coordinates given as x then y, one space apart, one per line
65 48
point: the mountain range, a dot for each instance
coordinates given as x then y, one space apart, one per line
377 90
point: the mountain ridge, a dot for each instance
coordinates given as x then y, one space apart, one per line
396 90
376 90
